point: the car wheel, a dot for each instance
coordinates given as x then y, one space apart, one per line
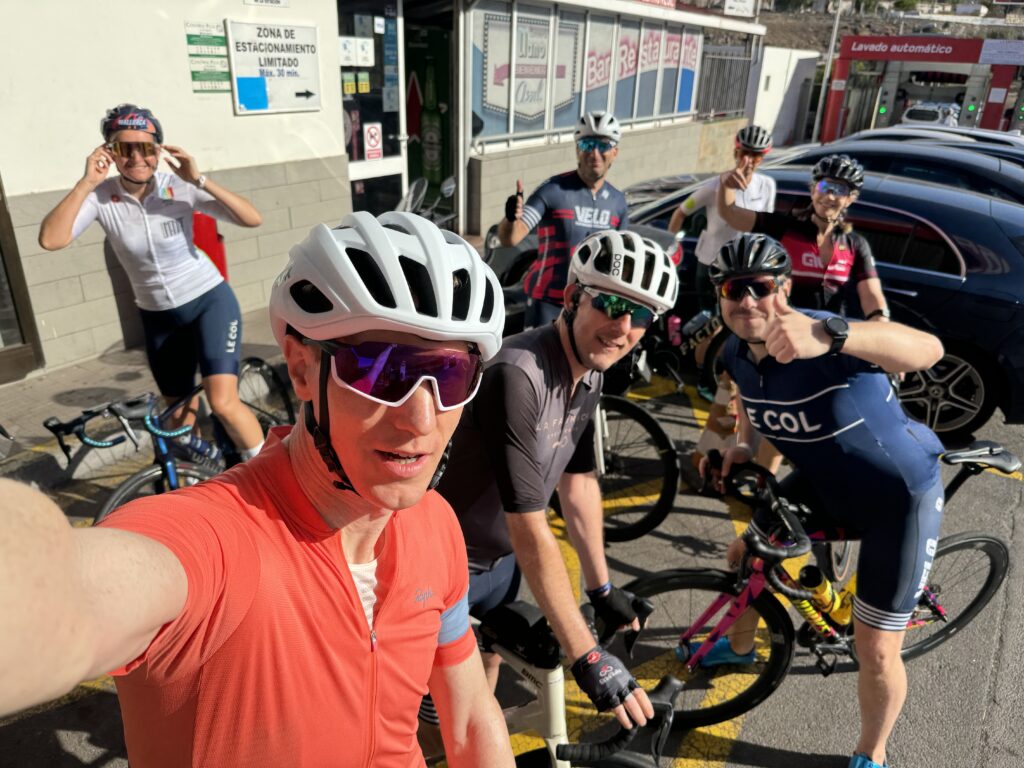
954 397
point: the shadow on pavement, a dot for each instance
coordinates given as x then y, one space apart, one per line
88 731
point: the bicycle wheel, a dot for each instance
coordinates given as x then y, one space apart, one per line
967 571
641 470
149 482
719 693
708 372
261 388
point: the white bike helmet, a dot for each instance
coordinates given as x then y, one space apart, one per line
398 272
628 265
598 125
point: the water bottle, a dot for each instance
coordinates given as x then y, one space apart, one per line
674 337
839 606
698 321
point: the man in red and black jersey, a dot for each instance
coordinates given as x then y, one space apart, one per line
565 209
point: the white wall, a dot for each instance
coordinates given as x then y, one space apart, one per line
65 62
783 70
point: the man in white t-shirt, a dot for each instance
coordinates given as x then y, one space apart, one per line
752 144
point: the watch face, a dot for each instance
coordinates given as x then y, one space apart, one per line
836 326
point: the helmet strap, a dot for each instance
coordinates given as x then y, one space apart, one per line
321 432
570 316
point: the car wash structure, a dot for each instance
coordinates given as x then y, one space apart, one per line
876 79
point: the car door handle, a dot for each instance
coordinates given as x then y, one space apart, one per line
900 291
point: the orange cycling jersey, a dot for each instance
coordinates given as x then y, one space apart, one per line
272 662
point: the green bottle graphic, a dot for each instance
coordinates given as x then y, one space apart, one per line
430 128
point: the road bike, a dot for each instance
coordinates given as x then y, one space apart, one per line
260 388
519 633
637 468
695 607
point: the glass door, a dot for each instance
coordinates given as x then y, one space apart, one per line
371 49
19 341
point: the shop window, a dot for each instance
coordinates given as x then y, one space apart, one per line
568 69
492 32
690 56
670 70
532 40
651 41
627 62
600 59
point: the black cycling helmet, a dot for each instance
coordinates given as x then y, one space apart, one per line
750 254
840 168
754 138
129 117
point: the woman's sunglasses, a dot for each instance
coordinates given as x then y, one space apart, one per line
125 149
388 373
829 187
736 288
616 306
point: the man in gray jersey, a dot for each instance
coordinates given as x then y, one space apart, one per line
531 430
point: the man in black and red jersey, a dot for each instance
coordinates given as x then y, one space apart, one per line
565 209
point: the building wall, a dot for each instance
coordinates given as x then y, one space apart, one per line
80 296
292 166
778 87
645 153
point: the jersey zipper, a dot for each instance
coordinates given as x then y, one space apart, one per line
374 657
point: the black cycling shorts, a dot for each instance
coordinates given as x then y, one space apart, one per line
898 538
205 333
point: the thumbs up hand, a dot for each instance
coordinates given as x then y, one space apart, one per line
792 335
514 203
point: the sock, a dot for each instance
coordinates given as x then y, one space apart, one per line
248 453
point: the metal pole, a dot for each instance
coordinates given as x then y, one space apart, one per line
828 71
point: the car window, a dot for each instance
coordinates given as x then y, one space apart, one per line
953 177
929 250
888 233
872 162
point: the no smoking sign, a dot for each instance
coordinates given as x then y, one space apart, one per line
373 141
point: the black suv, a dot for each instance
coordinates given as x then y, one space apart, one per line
951 262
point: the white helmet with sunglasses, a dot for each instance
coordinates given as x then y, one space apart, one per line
627 265
598 125
398 272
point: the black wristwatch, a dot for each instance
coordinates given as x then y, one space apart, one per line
839 330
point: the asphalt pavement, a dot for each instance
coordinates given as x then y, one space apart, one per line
963 698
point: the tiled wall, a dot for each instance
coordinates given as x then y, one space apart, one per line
80 296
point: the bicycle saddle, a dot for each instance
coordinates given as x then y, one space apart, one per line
522 629
985 453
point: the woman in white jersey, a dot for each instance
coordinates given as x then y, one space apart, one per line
190 316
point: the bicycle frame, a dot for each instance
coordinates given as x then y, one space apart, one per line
546 714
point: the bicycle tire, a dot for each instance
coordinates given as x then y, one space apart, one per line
261 388
949 571
708 375
641 477
720 693
150 481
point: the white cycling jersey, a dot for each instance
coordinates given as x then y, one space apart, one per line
758 196
153 238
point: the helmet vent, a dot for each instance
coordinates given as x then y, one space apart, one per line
397 228
488 308
310 298
584 254
628 268
663 284
462 294
603 259
372 276
418 280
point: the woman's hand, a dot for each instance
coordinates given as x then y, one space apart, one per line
184 164
97 165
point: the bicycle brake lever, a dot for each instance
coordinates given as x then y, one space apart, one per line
643 609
